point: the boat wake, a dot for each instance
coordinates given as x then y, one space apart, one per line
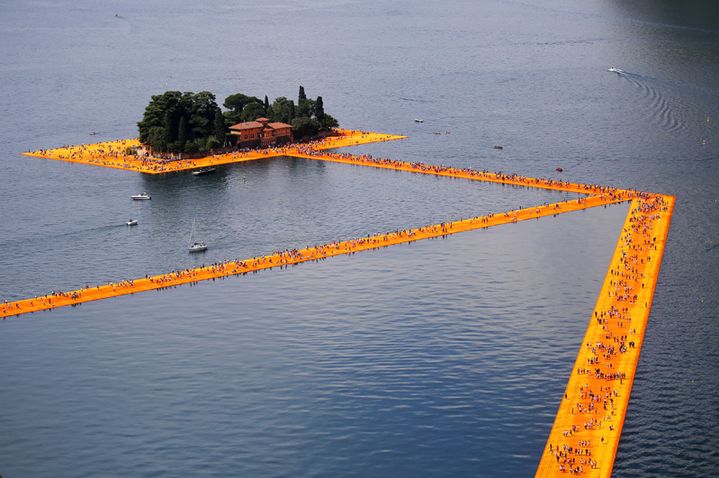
675 108
662 109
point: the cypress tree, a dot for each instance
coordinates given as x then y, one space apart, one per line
170 127
319 109
219 127
303 106
181 134
267 104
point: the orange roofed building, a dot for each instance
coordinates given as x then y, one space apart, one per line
261 132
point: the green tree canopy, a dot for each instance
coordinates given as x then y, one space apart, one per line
305 127
220 128
303 105
282 110
319 109
235 105
182 134
253 111
192 122
174 120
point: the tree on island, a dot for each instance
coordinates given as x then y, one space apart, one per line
282 110
303 106
308 117
239 106
176 122
220 128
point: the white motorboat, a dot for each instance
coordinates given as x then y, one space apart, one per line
196 246
203 171
132 222
418 120
616 70
141 197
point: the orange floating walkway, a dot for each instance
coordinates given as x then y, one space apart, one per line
114 154
461 173
230 268
586 431
588 425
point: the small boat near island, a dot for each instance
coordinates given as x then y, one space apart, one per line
141 197
132 222
616 70
196 246
203 171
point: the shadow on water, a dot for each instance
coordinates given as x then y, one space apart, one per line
701 15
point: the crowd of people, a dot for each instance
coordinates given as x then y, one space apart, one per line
117 154
131 155
601 385
593 404
308 150
286 257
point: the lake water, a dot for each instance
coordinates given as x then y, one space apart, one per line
440 358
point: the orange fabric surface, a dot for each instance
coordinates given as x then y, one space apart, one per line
112 154
588 425
230 268
589 422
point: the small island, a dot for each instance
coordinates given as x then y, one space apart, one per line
189 131
182 125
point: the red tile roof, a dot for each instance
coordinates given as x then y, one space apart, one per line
246 125
279 125
257 125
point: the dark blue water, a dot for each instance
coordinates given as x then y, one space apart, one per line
441 358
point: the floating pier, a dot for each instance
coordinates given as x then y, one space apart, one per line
587 428
459 173
114 154
296 256
586 431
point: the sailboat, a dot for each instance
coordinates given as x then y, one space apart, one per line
196 246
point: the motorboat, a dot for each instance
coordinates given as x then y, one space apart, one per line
497 146
196 246
616 70
417 120
141 197
203 171
559 170
132 222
